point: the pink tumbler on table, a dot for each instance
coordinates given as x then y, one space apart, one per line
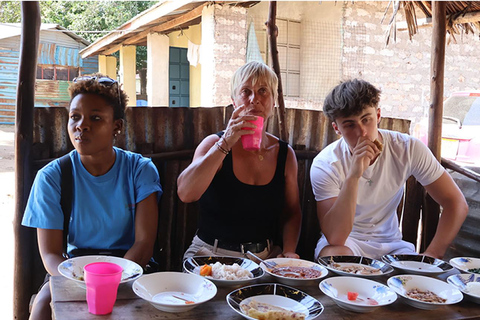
251 142
102 280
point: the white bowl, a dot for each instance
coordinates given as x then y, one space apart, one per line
287 262
417 264
192 265
277 295
336 263
73 268
465 264
371 294
160 288
469 284
401 284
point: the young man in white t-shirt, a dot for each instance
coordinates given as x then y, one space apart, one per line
358 181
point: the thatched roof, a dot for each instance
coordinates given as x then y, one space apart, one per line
462 16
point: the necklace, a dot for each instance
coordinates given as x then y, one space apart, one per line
369 181
260 157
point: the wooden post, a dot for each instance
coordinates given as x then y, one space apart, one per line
272 40
431 210
25 237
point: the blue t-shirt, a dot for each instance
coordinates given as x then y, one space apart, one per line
103 208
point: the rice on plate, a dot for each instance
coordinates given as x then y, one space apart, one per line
222 271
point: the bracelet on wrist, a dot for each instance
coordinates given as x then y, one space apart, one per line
221 149
226 144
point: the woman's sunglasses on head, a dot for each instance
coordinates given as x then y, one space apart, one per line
105 81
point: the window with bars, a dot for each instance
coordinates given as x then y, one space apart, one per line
54 72
288 44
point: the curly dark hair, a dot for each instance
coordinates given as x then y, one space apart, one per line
349 98
110 92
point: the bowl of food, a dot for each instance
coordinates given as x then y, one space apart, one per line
424 292
174 291
417 264
469 284
224 271
357 294
294 271
73 268
355 266
465 264
274 301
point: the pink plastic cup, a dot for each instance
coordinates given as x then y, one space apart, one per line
102 280
251 142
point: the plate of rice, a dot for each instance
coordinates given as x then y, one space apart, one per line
224 271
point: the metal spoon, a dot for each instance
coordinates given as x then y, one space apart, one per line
269 264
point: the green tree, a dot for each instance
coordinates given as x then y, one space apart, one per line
89 19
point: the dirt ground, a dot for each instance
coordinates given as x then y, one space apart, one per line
7 207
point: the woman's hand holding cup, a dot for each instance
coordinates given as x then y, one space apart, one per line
237 126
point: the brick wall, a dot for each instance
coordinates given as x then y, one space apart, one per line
402 69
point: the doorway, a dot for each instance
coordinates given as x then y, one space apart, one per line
179 78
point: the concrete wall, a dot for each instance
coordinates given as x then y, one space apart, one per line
402 69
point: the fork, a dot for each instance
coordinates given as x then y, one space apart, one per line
269 264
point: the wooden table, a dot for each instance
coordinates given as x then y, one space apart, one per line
68 302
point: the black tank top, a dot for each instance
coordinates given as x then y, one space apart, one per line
235 212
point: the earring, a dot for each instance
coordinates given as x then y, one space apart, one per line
119 131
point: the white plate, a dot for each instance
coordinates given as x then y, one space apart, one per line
371 294
278 295
403 283
469 284
465 264
191 265
73 268
287 262
331 262
417 264
160 288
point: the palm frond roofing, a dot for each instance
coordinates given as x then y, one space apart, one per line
462 16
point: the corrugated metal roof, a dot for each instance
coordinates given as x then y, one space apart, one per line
8 30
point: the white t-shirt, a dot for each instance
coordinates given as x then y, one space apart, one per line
382 184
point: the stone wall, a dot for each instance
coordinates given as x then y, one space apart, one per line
402 69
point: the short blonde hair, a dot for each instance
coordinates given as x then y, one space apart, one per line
254 71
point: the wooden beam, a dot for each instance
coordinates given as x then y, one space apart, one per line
25 245
272 31
187 17
123 32
431 210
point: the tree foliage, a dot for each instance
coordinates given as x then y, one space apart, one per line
83 17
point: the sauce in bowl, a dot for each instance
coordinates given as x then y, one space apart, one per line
296 272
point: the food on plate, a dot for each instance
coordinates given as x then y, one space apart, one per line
473 288
296 272
220 271
206 270
265 311
356 269
425 296
378 144
474 270
352 296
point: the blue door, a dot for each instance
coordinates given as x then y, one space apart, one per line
179 78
